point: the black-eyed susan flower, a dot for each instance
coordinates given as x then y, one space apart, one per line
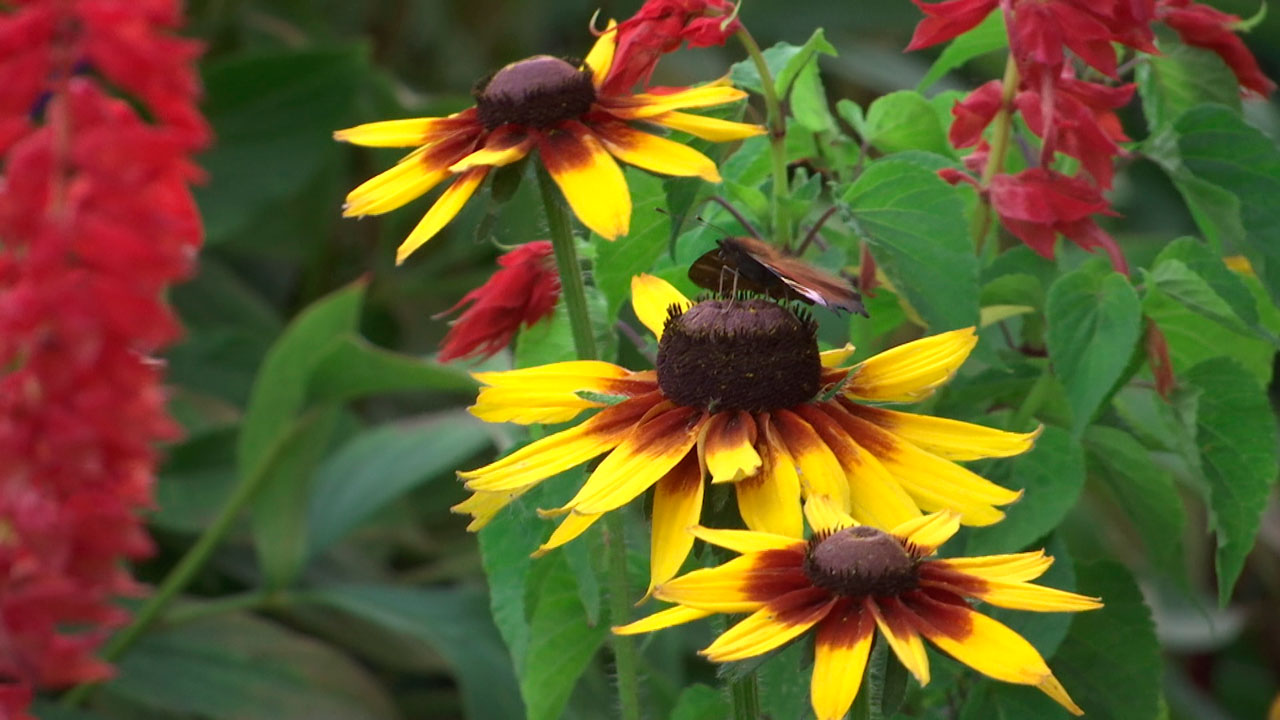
850 579
741 395
558 108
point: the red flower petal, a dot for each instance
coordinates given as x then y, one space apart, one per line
945 20
524 291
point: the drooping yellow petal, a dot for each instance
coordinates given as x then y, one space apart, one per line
706 128
600 59
824 516
484 506
769 501
402 183
647 105
670 617
820 471
840 652
763 631
913 370
591 181
409 132
677 505
991 648
639 461
446 207
946 438
556 453
901 636
748 541
652 299
837 357
503 147
653 153
875 497
929 532
1012 567
573 525
727 443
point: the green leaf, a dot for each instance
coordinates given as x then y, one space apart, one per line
561 642
988 36
1190 273
353 368
239 667
701 702
784 61
1193 338
904 120
809 101
1181 77
1145 491
1216 211
784 682
1236 437
451 621
1110 661
278 397
1095 322
805 56
274 114
617 261
384 463
915 225
1218 147
1051 475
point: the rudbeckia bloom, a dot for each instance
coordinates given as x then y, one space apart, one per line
559 109
850 579
741 395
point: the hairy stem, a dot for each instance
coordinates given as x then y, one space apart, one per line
1003 127
777 123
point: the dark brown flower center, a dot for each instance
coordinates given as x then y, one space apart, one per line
726 354
537 92
860 561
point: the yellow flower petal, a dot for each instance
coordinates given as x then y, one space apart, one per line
408 132
913 370
550 393
1012 567
652 299
647 105
503 147
763 631
742 584
929 532
824 516
556 453
573 525
591 181
946 438
840 651
483 506
670 617
770 500
600 59
728 444
653 153
837 357
1037 598
901 636
390 189
820 471
748 541
677 505
445 209
706 128
639 461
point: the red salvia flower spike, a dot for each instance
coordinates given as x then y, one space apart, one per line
1212 29
660 27
523 291
945 20
1037 205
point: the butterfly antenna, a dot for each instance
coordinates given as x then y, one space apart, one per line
736 215
813 232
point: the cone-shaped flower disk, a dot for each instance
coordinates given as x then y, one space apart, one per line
558 108
849 580
741 395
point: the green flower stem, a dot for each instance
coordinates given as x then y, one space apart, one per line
1036 396
777 123
745 693
572 289
185 571
1003 127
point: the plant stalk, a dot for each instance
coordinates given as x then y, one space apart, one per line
777 123
1003 130
746 697
572 289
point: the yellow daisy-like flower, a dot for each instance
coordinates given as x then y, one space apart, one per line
545 103
741 395
849 580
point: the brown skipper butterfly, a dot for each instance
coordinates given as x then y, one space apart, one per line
750 264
